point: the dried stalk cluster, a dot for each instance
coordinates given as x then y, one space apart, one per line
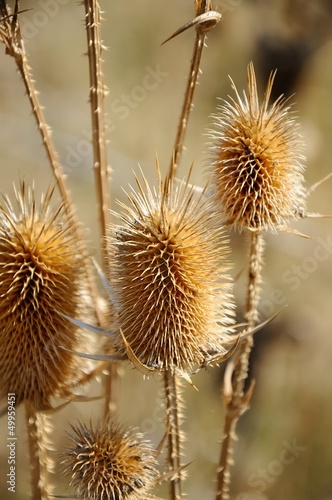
167 267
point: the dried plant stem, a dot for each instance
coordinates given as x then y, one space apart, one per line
44 129
236 399
173 402
97 98
111 389
201 7
100 161
10 34
188 99
38 429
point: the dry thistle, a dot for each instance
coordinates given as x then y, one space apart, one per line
256 152
41 276
170 278
108 462
257 184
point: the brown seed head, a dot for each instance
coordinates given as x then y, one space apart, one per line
108 462
256 160
170 277
40 276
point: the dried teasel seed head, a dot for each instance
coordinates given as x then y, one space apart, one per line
256 166
108 462
170 277
41 273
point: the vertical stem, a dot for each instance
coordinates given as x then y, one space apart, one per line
188 99
111 388
100 162
97 105
19 54
175 436
236 399
201 7
38 429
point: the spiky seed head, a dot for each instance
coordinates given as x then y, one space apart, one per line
108 462
170 277
40 277
256 166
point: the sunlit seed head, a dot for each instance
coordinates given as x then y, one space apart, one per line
108 462
170 277
256 160
40 277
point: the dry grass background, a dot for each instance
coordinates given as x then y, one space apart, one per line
292 360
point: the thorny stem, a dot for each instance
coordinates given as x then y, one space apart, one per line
100 162
38 429
111 388
44 130
15 47
236 399
97 95
175 435
202 6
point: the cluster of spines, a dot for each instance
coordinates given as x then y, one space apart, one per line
170 277
256 162
41 280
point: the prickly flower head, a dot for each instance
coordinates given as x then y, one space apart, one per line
170 277
108 462
256 164
40 278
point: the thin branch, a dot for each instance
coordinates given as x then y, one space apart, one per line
203 23
173 401
38 430
10 34
100 161
236 399
97 98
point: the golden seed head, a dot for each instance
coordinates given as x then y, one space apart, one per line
170 277
256 160
40 273
108 462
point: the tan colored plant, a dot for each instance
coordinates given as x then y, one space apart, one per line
107 461
170 278
257 181
167 292
256 160
41 280
171 287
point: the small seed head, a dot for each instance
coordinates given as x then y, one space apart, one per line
108 462
256 168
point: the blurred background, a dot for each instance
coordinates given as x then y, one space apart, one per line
284 448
